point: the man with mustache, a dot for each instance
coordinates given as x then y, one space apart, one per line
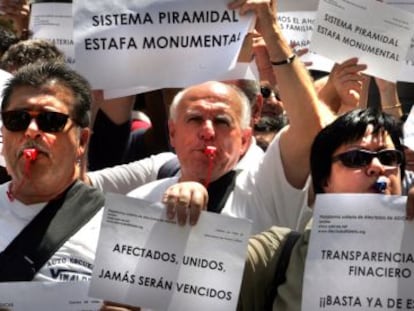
49 220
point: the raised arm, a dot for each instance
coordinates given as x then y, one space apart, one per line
306 115
341 90
390 102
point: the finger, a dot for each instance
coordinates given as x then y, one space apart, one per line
198 203
169 199
308 64
348 81
355 69
349 62
301 52
113 306
182 205
235 4
351 84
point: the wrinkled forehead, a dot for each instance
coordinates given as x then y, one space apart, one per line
213 92
45 94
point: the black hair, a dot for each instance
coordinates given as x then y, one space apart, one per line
7 39
41 74
349 128
27 52
271 123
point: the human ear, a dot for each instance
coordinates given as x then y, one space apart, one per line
246 139
171 132
84 136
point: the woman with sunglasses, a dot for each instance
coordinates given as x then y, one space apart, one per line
360 152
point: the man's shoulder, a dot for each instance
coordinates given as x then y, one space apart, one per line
252 156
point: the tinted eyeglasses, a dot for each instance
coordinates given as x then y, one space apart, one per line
47 121
267 92
359 158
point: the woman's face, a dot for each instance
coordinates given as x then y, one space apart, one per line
360 172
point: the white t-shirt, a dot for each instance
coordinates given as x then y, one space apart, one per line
261 194
72 262
126 177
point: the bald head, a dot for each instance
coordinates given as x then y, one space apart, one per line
215 91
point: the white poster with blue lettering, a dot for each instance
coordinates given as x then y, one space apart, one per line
377 33
360 254
163 43
143 259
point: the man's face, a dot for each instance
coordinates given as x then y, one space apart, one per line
208 115
55 166
272 105
344 179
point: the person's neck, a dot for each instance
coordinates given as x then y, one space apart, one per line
27 194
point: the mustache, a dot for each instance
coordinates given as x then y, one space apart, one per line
34 145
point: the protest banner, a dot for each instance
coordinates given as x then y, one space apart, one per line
41 296
53 21
297 19
156 43
297 5
297 27
407 71
342 30
360 254
143 259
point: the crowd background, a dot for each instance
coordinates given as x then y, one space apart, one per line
133 128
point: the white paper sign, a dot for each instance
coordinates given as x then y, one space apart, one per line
297 27
42 296
54 22
407 72
120 44
408 129
145 260
297 5
378 34
361 254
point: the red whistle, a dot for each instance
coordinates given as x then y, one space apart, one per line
30 154
210 151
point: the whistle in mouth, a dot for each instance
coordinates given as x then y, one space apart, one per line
210 151
30 154
380 185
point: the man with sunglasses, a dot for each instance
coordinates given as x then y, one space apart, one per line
272 103
49 220
360 152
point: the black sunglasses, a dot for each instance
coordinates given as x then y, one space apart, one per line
47 121
267 92
359 158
